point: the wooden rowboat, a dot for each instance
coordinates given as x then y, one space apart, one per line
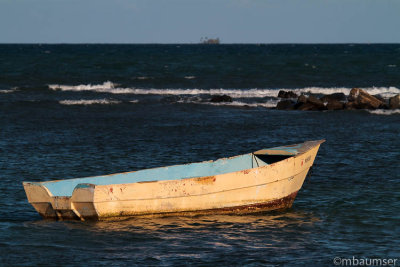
268 179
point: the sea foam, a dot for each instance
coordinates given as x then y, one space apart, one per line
385 111
83 87
89 102
110 87
267 104
7 91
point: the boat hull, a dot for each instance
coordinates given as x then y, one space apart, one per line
261 188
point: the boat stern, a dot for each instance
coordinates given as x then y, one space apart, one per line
59 207
40 198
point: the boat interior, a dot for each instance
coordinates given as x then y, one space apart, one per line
192 170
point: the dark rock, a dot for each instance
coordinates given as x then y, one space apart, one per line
363 100
221 98
385 104
171 99
306 106
380 98
350 105
334 96
315 101
394 102
302 99
287 94
285 105
309 103
334 101
334 105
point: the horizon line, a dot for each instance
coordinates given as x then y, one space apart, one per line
144 43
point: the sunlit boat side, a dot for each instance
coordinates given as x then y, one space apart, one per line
267 179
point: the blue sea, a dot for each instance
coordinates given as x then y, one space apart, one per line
83 110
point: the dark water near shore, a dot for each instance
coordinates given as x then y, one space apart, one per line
82 110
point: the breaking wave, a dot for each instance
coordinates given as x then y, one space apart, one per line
268 104
385 111
7 91
83 87
110 87
104 87
89 102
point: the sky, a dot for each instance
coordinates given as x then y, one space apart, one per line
186 21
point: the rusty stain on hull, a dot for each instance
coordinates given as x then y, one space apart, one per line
205 180
272 205
277 204
143 182
237 185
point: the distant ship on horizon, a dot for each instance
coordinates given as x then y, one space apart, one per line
205 40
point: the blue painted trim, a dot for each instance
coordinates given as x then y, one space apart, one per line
83 186
201 169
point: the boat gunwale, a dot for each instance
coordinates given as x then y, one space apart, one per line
192 195
154 168
314 143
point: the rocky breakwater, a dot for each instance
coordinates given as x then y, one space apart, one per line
220 98
357 99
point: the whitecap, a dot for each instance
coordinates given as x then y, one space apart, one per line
89 102
7 91
267 104
385 92
84 87
110 87
385 111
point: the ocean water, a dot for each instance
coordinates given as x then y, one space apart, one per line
81 110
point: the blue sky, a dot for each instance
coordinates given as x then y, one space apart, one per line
186 21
